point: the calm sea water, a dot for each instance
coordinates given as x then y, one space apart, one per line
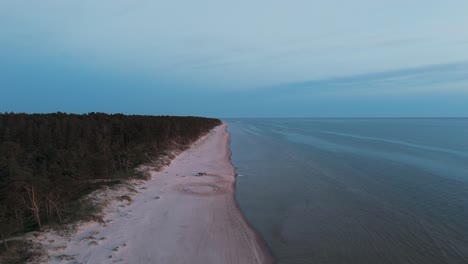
355 190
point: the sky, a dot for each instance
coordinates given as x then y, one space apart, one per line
362 58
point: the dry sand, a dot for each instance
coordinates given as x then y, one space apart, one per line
176 217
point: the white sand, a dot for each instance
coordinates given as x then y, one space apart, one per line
176 217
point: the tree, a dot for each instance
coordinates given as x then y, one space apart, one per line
47 161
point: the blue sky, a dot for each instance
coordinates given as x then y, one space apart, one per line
235 58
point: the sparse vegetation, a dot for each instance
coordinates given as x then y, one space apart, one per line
125 198
18 251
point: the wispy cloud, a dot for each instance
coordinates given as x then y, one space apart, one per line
439 78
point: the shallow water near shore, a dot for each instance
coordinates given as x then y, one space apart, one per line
355 190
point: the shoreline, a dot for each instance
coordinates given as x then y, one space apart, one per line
175 217
258 237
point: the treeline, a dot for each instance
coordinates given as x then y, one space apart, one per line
49 160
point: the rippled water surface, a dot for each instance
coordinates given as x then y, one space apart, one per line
355 190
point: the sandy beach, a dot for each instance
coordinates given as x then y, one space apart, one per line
176 217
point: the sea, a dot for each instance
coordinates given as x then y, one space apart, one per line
357 190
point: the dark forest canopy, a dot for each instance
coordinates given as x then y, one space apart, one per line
48 160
